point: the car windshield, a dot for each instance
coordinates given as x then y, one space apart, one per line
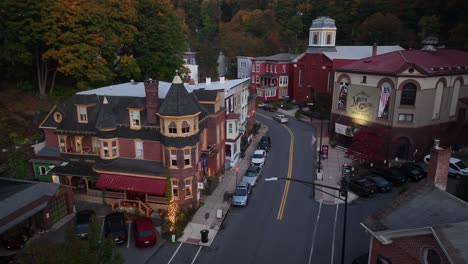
251 174
145 233
461 165
257 156
240 192
380 180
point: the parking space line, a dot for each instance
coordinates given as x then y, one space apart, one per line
196 255
175 253
334 233
315 232
128 235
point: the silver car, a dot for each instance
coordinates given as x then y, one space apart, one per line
280 118
241 194
252 174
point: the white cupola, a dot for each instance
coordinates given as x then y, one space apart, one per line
322 32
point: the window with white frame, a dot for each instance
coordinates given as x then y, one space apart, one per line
259 93
185 127
109 149
82 114
62 143
284 68
405 117
135 119
257 67
230 127
188 187
187 157
173 157
175 188
114 148
172 128
139 149
42 170
243 64
257 79
276 68
105 149
283 80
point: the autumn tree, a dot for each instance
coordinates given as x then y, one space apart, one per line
367 146
381 29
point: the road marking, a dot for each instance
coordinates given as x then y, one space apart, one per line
334 233
290 167
128 235
175 253
315 232
196 255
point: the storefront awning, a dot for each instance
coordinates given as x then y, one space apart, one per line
132 183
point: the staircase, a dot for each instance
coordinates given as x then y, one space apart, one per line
143 207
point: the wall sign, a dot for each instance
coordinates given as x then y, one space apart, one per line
361 104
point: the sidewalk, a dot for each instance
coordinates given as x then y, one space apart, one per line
212 214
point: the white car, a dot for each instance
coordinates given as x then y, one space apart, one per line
456 167
258 158
280 118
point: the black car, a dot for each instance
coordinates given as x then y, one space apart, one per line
265 143
418 166
413 173
115 227
83 222
393 175
362 187
269 108
381 184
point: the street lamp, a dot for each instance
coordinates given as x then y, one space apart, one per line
343 190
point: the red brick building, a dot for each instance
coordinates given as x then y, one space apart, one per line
425 224
120 145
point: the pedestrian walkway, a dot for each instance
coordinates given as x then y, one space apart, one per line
215 207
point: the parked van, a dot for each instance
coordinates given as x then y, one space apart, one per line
456 167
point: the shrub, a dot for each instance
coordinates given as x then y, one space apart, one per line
298 114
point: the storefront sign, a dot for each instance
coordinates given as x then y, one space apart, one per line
344 130
361 104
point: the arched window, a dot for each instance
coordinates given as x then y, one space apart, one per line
172 128
185 127
408 94
315 38
328 39
430 256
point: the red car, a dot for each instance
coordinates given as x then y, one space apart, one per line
145 233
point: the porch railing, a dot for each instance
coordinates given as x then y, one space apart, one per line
133 204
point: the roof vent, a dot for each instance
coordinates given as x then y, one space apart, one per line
430 43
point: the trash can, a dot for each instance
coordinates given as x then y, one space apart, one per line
204 235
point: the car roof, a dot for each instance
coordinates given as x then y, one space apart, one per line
259 151
252 168
144 222
242 184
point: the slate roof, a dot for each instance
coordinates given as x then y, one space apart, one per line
79 169
452 238
178 101
106 116
22 199
124 165
277 57
439 62
205 95
423 205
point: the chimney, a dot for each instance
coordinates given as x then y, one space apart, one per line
439 165
374 50
151 93
208 80
221 79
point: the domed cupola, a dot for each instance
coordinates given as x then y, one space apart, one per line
322 32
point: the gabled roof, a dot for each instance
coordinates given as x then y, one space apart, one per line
423 205
439 62
277 57
178 101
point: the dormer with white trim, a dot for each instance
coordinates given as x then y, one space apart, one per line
322 32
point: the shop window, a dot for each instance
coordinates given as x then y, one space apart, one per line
188 187
408 94
173 158
185 127
175 188
172 128
187 157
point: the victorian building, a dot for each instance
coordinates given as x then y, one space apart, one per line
409 97
129 145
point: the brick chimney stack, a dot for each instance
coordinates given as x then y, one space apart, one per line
439 165
151 93
374 50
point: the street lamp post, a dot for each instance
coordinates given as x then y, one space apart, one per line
343 190
320 149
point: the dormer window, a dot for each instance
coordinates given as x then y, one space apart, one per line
185 127
135 121
82 114
172 128
58 117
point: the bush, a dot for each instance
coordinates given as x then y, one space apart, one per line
298 114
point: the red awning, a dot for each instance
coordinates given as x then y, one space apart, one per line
132 183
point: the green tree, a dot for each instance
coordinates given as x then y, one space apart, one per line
428 26
161 41
381 29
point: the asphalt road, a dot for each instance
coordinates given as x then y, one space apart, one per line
281 226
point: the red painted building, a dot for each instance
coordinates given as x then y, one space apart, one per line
314 69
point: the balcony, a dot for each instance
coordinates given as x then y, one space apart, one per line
210 151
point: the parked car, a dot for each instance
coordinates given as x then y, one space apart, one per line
393 175
456 166
419 166
269 108
261 104
144 232
413 173
252 174
265 143
361 186
381 184
283 119
17 238
241 194
83 221
258 158
115 227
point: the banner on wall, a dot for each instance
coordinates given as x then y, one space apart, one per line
384 102
343 96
